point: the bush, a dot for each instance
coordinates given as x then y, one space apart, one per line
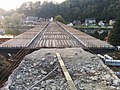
59 18
114 37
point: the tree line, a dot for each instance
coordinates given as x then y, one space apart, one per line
73 9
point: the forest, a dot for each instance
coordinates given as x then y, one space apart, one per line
73 9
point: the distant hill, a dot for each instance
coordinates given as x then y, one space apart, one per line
99 9
74 9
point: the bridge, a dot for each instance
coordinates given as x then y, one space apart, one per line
53 35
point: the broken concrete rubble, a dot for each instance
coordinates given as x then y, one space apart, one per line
87 71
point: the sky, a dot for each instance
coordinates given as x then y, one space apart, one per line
13 4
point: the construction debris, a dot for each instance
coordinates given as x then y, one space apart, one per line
41 71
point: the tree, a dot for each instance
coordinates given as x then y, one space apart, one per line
96 34
27 9
59 18
12 31
6 21
72 10
16 18
104 35
114 37
47 10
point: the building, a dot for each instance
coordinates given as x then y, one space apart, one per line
111 22
31 20
4 38
90 21
51 19
101 23
76 22
70 24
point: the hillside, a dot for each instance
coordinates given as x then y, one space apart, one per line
73 9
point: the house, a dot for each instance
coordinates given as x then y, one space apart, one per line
31 20
76 22
111 22
118 48
90 21
70 24
101 23
51 19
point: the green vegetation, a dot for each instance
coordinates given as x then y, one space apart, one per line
13 20
13 24
100 36
114 37
70 10
94 31
91 27
12 31
16 30
73 9
60 19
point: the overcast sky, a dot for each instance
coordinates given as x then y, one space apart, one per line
12 4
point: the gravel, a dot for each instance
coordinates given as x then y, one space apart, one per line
87 71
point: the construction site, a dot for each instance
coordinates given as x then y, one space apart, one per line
54 56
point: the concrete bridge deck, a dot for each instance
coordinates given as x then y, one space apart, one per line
54 35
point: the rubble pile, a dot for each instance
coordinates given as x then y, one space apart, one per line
89 73
41 71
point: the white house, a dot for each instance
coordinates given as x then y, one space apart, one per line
31 20
101 23
51 19
70 24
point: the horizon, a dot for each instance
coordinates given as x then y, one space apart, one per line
13 4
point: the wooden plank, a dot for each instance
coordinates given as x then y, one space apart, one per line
66 73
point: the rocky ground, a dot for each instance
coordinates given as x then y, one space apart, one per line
40 70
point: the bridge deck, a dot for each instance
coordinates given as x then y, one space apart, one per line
54 35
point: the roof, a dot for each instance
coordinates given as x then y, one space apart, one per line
90 19
31 18
6 36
